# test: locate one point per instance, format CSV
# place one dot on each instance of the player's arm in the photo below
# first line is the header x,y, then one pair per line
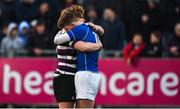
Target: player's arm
x,y
88,46
75,34
61,37
98,29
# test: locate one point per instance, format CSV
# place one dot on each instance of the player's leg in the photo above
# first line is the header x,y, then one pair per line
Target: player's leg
x,y
66,105
84,103
87,85
64,91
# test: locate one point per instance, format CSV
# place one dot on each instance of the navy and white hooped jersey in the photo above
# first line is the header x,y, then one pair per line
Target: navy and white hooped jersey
x,y
67,58
86,61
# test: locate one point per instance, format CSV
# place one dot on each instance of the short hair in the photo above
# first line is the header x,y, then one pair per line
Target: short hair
x,y
68,15
78,11
66,18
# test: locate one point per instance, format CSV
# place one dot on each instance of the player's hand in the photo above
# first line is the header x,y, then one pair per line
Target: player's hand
x,y
91,24
95,27
98,29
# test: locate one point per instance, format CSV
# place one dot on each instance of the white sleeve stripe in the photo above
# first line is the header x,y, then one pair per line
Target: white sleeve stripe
x,y
64,72
86,33
96,36
66,57
65,64
63,47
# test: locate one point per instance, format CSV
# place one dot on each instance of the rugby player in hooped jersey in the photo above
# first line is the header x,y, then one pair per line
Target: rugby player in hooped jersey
x,y
87,78
64,84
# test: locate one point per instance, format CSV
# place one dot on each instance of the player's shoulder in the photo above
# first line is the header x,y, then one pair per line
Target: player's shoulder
x,y
82,27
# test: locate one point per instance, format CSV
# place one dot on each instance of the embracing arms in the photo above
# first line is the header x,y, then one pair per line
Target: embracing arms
x,y
63,37
88,46
98,29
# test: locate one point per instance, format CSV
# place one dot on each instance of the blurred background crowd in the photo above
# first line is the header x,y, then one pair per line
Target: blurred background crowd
x,y
148,28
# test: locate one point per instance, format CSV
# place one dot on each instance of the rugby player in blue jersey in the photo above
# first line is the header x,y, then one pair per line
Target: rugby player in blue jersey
x,y
87,78
64,93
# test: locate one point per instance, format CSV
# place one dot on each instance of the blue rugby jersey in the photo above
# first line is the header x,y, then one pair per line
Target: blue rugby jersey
x,y
86,61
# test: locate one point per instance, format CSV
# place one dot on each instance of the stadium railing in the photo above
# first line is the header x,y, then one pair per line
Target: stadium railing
x,y
52,53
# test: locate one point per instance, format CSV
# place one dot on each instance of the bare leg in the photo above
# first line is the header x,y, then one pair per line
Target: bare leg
x,y
66,105
84,103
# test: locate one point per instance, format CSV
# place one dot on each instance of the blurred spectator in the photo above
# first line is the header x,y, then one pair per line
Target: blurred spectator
x,y
48,11
116,16
26,10
154,49
11,44
113,39
145,18
24,32
44,14
174,42
7,11
92,16
54,5
117,5
150,19
39,39
99,6
3,31
133,49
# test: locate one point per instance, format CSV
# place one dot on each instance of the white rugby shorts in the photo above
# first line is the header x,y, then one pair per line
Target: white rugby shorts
x,y
87,84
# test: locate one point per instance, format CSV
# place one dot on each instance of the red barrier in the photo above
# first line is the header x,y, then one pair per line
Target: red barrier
x,y
150,82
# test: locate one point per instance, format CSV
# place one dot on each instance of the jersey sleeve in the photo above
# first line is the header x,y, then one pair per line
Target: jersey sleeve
x,y
77,33
61,38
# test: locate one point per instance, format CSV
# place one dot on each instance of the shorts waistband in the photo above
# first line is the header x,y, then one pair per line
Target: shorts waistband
x,y
87,71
